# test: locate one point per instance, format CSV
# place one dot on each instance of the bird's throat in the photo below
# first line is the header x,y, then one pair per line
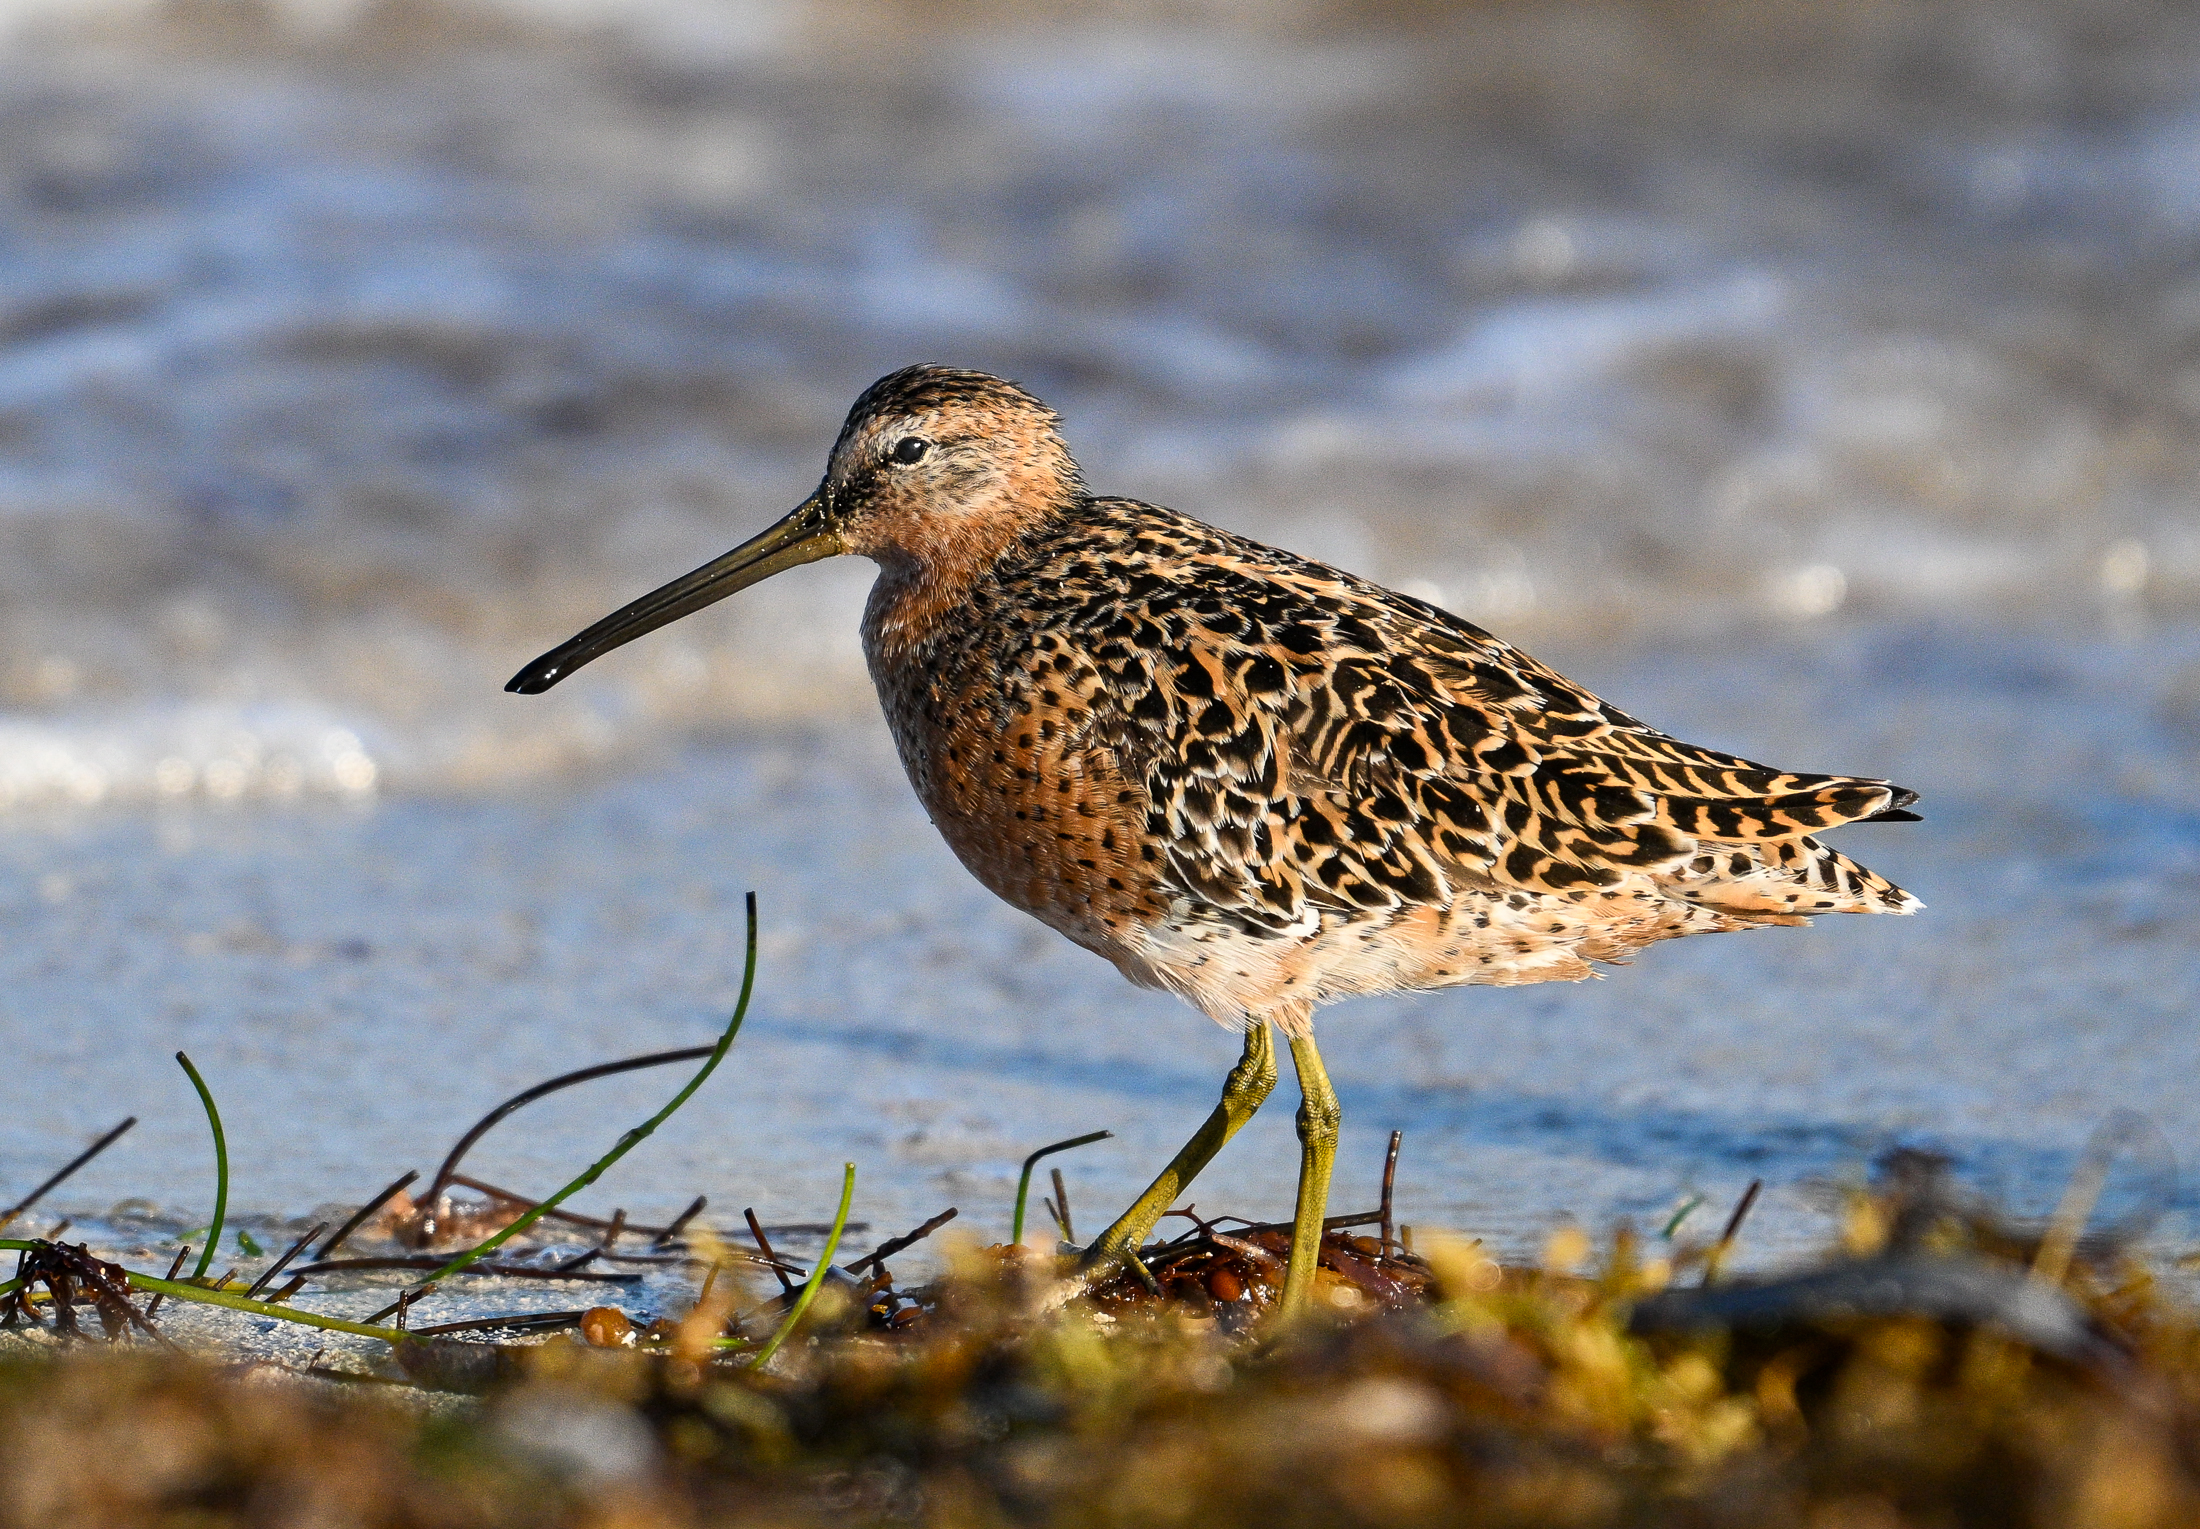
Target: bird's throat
x,y
925,590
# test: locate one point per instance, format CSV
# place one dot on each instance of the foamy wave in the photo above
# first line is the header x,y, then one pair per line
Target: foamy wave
x,y
202,751
1530,352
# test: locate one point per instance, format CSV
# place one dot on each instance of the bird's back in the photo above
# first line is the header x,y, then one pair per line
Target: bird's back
x,y
1259,781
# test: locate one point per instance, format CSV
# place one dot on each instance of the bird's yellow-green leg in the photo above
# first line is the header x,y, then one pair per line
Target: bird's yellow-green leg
x,y
1318,1118
1249,1083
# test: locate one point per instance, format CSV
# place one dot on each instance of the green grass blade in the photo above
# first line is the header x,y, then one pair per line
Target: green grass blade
x,y
631,1139
1688,1208
817,1272
1023,1185
182,1291
221,1165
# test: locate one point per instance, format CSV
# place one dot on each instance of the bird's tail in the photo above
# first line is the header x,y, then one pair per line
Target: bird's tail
x,y
1782,881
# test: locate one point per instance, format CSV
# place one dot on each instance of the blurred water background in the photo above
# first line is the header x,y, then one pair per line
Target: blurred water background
x,y
1819,381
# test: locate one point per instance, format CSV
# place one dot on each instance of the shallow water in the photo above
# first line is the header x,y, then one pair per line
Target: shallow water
x,y
1824,391
360,983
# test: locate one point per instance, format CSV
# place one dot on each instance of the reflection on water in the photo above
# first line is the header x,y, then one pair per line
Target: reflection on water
x,y
344,363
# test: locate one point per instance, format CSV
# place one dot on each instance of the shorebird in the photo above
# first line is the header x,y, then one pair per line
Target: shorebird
x,y
1251,779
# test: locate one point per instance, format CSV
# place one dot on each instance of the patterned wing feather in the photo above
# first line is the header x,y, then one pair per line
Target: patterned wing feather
x,y
1311,743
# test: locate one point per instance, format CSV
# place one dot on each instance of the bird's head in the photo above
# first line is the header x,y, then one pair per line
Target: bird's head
x,y
935,469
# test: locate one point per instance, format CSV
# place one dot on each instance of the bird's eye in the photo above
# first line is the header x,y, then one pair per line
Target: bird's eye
x,y
909,449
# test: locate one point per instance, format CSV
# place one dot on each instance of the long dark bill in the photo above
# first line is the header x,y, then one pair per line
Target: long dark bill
x,y
804,536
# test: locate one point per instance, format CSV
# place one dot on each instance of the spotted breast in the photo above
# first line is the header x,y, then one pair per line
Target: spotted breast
x,y
1250,778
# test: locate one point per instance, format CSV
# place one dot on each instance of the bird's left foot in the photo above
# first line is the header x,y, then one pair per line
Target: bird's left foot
x,y
1318,1119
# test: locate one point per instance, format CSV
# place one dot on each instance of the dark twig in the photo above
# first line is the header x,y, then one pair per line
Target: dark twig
x,y
1245,1249
8,1216
679,1224
812,1228
1023,1183
527,1322
401,1307
893,1245
1061,1207
1202,1240
764,1246
174,1269
1390,1180
1718,1252
1200,1227
660,1233
430,1261
1331,1224
445,1175
360,1217
515,1198
588,1256
283,1262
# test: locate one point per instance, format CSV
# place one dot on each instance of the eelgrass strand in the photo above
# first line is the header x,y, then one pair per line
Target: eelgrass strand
x,y
817,1271
186,1291
1023,1184
221,1167
631,1139
1688,1208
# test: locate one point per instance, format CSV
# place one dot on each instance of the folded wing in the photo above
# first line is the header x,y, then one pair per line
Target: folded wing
x,y
1309,743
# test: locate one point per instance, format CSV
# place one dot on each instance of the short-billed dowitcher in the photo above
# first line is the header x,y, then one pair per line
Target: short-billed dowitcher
x,y
1244,776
